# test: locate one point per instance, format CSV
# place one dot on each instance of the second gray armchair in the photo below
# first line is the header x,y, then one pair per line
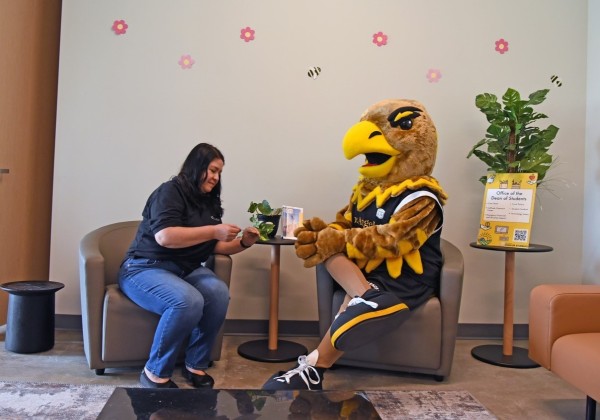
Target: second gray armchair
x,y
423,344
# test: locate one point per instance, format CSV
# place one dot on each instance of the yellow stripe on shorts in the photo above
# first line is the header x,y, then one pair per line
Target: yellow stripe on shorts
x,y
388,311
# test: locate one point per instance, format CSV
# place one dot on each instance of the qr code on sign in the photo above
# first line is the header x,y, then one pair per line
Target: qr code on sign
x,y
520,235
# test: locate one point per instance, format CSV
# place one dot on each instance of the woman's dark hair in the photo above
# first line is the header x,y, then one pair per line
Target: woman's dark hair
x,y
193,173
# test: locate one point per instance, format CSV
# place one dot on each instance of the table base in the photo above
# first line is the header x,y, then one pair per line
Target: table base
x,y
493,354
258,350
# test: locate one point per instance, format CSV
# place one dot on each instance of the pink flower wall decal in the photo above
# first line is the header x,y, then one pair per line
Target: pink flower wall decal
x,y
247,34
434,75
501,46
119,27
380,39
186,61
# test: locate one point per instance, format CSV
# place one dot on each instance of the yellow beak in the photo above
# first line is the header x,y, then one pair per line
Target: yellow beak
x,y
366,137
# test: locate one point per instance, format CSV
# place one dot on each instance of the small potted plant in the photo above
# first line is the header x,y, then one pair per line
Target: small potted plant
x,y
265,218
513,143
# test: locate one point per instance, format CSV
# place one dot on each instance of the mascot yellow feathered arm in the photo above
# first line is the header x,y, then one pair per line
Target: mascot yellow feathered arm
x,y
396,205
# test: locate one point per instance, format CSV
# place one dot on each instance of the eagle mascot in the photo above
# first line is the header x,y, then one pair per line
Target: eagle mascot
x,y
383,248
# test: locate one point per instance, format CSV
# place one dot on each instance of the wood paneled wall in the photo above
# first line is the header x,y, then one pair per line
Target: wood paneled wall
x,y
29,52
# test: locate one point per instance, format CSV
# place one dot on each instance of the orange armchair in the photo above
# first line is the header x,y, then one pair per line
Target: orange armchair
x,y
564,335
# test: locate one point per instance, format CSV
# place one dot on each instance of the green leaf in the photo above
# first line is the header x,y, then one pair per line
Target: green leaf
x,y
264,207
479,143
531,165
511,114
538,96
537,116
549,133
264,229
485,157
511,98
497,132
496,148
487,101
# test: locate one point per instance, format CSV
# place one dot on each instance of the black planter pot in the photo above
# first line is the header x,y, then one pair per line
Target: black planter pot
x,y
273,219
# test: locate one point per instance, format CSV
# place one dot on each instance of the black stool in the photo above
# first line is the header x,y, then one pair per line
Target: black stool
x,y
30,321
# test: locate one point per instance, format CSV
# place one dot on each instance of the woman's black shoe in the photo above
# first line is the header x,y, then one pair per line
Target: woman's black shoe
x,y
198,381
149,383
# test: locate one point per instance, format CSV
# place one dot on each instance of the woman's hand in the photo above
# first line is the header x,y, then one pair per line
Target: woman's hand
x,y
226,232
249,236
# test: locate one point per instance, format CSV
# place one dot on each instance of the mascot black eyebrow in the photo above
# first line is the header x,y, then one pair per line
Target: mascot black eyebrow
x,y
384,246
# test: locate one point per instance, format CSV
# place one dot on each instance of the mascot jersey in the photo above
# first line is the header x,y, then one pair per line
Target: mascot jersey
x,y
379,214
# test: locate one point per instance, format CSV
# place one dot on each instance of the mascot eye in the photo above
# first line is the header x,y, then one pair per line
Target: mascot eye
x,y
403,117
405,123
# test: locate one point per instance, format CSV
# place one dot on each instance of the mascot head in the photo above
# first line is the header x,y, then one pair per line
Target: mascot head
x,y
398,139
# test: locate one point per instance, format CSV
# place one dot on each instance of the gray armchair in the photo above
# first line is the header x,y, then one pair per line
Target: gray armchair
x,y
116,331
424,343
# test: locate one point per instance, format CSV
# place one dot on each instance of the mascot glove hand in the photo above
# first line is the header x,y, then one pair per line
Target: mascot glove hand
x,y
314,247
312,225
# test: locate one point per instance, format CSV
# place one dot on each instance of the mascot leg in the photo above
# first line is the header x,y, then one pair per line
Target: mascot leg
x,y
347,274
356,323
370,314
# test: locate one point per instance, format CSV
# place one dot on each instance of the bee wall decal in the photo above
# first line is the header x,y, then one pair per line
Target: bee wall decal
x,y
314,72
555,79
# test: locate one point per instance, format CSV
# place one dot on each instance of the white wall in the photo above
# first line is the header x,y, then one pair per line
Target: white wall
x,y
128,115
591,231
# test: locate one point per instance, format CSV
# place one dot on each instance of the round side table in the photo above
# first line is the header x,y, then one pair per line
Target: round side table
x,y
507,355
273,349
30,320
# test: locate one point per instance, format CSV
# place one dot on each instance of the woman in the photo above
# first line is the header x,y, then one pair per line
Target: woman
x,y
163,270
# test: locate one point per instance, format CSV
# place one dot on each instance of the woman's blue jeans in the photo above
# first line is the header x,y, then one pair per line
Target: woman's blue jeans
x,y
190,306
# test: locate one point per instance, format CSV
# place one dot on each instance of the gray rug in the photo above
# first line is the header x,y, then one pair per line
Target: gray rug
x,y
64,401
20,400
447,405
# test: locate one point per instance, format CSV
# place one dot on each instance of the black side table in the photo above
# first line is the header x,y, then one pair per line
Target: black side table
x,y
507,355
273,349
30,321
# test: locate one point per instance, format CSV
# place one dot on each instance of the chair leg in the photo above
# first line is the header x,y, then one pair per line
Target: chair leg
x,y
590,408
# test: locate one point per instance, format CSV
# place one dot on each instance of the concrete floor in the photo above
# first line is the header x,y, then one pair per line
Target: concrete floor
x,y
506,393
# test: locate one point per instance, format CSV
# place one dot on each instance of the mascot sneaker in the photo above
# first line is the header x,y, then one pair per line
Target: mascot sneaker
x,y
303,376
367,317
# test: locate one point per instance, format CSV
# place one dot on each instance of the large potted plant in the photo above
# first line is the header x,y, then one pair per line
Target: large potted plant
x,y
512,143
